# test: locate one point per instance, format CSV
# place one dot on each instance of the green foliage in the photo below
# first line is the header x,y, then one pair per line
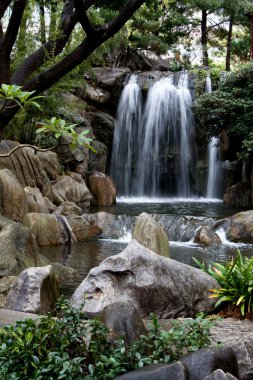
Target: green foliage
x,y
230,108
60,128
13,93
236,281
70,346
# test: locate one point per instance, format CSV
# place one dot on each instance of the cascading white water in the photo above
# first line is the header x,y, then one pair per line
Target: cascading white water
x,y
213,178
186,138
163,142
125,142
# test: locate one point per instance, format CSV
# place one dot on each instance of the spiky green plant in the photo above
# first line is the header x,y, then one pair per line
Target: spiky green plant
x,y
236,281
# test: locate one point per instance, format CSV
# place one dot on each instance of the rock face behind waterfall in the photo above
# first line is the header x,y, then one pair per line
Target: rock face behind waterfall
x,y
151,282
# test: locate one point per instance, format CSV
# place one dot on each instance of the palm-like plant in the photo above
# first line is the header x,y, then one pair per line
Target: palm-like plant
x,y
236,281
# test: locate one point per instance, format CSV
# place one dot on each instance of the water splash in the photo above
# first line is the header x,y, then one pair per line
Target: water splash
x,y
214,169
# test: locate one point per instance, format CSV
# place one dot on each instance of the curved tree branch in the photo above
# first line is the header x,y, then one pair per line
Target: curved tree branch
x,y
69,20
78,55
83,18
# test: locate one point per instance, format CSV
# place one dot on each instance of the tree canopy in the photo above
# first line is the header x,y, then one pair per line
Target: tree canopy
x,y
50,57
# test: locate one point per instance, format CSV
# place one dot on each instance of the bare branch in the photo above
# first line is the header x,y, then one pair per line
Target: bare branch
x,y
83,18
77,56
36,148
35,60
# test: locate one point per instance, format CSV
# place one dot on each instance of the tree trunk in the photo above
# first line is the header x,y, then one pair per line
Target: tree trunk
x,y
205,58
229,42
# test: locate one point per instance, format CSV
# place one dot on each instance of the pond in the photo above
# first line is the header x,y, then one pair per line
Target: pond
x,y
85,255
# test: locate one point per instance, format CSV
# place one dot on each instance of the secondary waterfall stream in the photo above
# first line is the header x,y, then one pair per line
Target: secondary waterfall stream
x,y
214,168
153,154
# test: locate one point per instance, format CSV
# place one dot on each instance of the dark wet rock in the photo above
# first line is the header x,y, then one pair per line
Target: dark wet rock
x,y
151,282
123,320
113,226
204,362
176,371
206,236
106,76
98,161
238,195
151,235
93,94
220,375
243,350
103,127
239,227
102,189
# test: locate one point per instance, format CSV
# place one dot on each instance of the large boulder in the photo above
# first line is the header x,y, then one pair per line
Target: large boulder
x,y
113,226
103,126
82,229
50,164
49,229
151,235
97,160
35,200
175,371
151,282
123,320
35,291
240,227
93,94
68,208
107,76
26,166
204,362
238,195
102,189
243,350
204,235
18,250
67,189
13,202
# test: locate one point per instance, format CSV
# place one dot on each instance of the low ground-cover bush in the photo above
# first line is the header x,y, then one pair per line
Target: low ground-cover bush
x,y
236,281
73,347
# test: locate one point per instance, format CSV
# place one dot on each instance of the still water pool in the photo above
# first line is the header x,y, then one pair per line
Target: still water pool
x,y
85,255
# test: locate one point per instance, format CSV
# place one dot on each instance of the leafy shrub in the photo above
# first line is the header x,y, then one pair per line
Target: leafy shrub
x,y
73,347
236,281
230,108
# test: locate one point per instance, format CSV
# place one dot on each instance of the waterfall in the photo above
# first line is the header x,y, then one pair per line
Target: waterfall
x,y
213,178
125,142
160,142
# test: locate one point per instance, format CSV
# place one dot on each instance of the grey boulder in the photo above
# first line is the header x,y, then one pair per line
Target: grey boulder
x,y
35,291
151,282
